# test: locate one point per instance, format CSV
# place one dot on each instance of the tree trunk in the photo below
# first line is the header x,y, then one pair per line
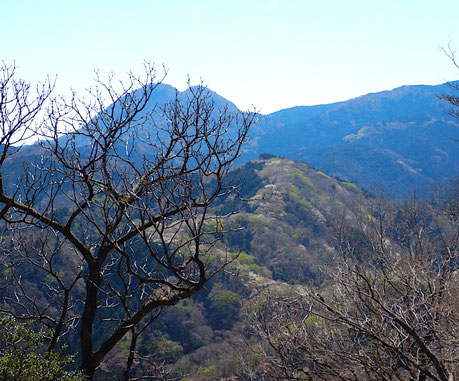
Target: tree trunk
x,y
88,362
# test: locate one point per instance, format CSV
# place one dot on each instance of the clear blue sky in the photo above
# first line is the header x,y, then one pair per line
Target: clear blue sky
x,y
272,54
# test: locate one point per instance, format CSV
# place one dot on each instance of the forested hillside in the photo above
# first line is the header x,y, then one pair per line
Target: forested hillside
x,y
295,222
298,228
288,242
284,234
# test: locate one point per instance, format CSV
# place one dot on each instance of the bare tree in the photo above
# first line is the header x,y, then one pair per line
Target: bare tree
x,y
448,97
112,215
390,311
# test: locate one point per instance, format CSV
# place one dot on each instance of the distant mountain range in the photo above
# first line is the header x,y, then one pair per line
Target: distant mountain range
x,y
402,139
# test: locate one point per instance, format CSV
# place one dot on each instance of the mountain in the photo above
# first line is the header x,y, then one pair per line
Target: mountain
x,y
164,93
161,95
149,117
402,139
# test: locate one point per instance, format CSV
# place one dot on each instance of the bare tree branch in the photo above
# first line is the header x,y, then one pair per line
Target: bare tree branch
x,y
114,212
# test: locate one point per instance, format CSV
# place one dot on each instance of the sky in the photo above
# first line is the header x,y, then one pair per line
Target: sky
x,y
264,53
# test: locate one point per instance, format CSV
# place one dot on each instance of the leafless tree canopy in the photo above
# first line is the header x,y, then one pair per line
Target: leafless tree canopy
x,y
111,216
452,99
390,311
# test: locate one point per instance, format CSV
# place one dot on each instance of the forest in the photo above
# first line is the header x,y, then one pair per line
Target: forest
x,y
136,245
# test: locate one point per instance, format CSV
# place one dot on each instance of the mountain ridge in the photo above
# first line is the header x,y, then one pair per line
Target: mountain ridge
x,y
401,138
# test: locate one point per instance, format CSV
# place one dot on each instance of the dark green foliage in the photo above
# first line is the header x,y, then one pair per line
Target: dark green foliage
x,y
224,308
248,183
22,355
266,156
164,350
183,324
